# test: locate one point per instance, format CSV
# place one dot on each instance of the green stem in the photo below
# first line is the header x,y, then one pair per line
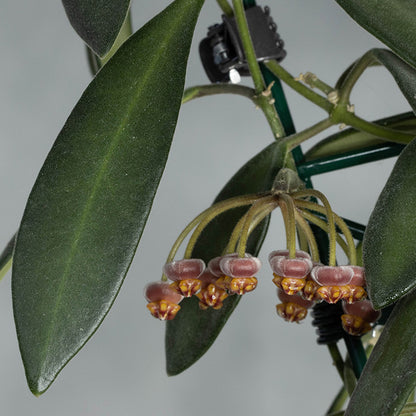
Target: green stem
x,y
255,209
205,90
358,123
337,358
264,97
338,401
213,212
309,235
313,81
296,139
262,100
302,89
235,235
225,7
248,47
324,226
330,218
353,75
290,223
352,254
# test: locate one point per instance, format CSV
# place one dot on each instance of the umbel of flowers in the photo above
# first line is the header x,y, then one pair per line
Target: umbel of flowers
x,y
301,278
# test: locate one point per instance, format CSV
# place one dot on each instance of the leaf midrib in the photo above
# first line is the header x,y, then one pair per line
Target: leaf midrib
x,y
74,247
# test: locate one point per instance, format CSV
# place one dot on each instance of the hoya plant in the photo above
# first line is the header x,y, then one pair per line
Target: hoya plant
x,y
91,200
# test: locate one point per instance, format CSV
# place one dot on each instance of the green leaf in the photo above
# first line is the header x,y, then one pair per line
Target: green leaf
x,y
89,205
350,139
389,242
404,74
391,21
97,22
389,376
193,331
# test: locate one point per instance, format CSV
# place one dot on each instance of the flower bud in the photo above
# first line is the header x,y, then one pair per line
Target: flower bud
x,y
359,317
293,308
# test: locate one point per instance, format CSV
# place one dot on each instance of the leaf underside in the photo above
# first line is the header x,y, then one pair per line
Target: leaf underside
x,y
193,331
90,202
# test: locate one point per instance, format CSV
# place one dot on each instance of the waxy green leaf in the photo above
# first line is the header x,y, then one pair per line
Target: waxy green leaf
x,y
391,21
389,376
193,331
390,239
90,202
97,22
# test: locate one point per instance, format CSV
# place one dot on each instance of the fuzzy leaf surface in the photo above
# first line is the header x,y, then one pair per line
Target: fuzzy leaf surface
x,y
390,238
193,331
97,22
391,21
91,200
389,377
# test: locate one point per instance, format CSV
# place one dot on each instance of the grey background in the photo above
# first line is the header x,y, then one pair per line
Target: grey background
x,y
259,364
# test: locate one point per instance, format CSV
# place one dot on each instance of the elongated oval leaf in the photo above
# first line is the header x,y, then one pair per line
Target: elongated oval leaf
x,y
403,73
97,22
90,202
391,21
389,376
193,331
389,244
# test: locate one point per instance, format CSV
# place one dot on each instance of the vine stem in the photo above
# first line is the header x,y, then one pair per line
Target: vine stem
x,y
337,358
262,100
392,135
296,139
250,54
264,96
225,7
300,88
352,77
338,401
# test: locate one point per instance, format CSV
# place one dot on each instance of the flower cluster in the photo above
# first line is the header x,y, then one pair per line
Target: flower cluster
x,y
224,276
300,276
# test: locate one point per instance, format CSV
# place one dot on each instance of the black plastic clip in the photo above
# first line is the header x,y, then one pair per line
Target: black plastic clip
x,y
222,53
